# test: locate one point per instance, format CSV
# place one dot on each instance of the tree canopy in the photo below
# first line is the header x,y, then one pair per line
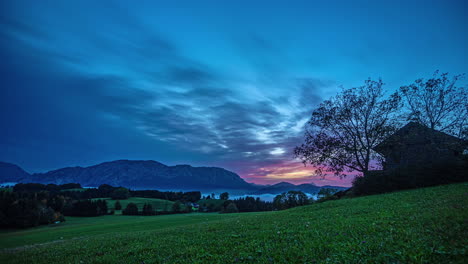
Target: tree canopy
x,y
343,130
438,103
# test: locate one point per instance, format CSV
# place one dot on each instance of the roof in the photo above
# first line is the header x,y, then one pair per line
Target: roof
x,y
417,134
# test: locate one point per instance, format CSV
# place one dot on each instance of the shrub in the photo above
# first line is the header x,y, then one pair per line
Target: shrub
x,y
177,206
224,196
117,205
120,194
148,209
231,208
131,209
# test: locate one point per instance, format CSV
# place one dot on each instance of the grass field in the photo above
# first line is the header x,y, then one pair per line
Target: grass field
x,y
419,226
158,204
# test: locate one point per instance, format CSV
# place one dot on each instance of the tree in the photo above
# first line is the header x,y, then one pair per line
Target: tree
x,y
231,208
438,103
120,194
148,209
326,192
224,196
117,205
131,209
343,130
177,206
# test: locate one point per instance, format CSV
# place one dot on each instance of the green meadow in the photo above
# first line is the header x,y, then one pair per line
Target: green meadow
x,y
427,225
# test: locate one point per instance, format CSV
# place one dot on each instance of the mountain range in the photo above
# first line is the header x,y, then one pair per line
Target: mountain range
x,y
286,186
148,174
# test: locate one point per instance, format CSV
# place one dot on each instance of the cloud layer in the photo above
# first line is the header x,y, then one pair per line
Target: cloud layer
x,y
87,82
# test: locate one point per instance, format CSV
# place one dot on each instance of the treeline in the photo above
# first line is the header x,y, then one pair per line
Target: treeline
x,y
76,191
86,208
23,209
37,187
171,196
248,204
177,208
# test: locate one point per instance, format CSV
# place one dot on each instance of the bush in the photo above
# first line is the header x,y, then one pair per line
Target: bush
x,y
86,208
148,209
231,208
177,206
131,209
120,194
224,196
117,205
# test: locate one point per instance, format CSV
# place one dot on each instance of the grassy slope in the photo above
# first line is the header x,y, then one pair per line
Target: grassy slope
x,y
420,226
158,204
80,227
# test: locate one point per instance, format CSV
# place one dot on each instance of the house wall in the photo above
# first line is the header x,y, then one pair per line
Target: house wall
x,y
414,155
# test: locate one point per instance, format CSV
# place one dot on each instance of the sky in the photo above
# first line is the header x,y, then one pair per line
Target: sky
x,y
205,83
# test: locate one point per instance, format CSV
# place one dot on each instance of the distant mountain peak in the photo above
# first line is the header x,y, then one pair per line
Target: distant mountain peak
x,y
139,174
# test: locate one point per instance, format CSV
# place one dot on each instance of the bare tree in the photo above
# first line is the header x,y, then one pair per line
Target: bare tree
x,y
438,103
342,131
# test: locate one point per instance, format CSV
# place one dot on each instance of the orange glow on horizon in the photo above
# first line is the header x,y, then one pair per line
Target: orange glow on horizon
x,y
294,172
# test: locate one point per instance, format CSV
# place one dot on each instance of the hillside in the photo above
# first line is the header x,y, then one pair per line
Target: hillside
x,y
286,186
418,226
137,174
11,173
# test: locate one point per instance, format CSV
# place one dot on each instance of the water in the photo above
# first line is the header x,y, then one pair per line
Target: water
x,y
264,197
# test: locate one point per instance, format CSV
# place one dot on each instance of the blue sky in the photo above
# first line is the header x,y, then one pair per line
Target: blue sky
x,y
206,83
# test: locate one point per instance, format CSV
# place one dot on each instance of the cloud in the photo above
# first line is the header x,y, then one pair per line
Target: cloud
x,y
137,85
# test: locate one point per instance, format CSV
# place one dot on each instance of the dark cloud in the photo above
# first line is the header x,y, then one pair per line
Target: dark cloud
x,y
134,94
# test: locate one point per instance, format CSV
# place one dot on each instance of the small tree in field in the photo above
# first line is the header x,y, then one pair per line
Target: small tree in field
x,y
131,209
224,196
117,205
343,130
148,209
438,103
231,208
177,206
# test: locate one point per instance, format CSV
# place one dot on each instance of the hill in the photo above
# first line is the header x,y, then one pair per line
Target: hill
x,y
416,226
286,186
136,174
12,173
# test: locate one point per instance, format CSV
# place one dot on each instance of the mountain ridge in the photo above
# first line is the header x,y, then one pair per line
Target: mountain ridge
x,y
147,174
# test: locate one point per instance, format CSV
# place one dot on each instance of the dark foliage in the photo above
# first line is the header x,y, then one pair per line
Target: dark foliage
x,y
171,196
177,206
86,208
131,209
23,209
231,208
224,196
37,187
148,209
250,204
411,177
290,199
343,130
439,103
117,205
120,194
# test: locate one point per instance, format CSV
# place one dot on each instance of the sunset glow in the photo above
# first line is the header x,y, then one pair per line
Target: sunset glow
x,y
294,172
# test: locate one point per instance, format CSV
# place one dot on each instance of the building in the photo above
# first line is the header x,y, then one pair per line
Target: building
x,y
415,144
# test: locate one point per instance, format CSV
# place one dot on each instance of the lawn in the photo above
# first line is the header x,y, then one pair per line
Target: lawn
x,y
86,227
158,204
418,226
